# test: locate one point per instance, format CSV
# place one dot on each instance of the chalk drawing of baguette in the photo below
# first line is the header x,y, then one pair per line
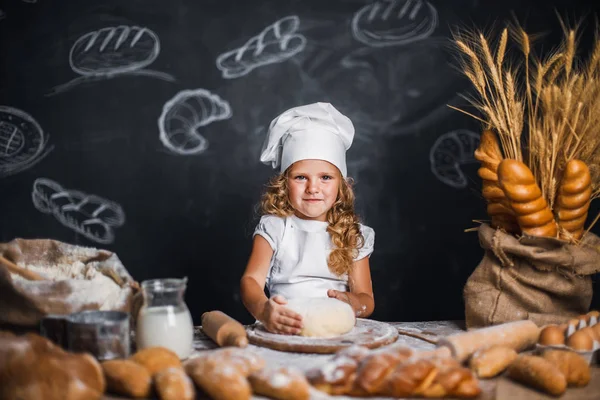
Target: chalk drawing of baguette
x,y
111,52
276,43
90,215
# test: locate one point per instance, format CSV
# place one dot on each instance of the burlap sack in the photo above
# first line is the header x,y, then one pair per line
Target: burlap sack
x,y
544,280
23,302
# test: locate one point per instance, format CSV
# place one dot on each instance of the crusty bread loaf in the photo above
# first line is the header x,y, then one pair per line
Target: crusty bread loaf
x,y
573,199
173,384
127,378
573,366
539,373
531,209
394,372
280,383
491,361
498,208
155,359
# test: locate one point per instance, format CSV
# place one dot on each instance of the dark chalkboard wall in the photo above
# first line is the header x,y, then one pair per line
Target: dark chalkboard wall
x,y
178,204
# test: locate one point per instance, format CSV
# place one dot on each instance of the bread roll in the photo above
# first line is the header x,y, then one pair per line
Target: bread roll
x,y
538,373
280,383
573,199
533,214
491,361
573,366
127,378
174,384
155,359
498,206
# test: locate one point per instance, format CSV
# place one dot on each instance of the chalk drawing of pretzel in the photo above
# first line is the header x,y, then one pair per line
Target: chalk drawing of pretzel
x,y
276,43
113,51
22,141
90,215
449,152
394,22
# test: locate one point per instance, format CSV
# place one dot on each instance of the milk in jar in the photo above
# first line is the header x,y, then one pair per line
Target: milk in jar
x,y
164,319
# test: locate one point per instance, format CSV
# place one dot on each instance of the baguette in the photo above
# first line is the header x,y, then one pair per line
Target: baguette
x,y
538,373
531,209
573,366
498,207
491,361
573,199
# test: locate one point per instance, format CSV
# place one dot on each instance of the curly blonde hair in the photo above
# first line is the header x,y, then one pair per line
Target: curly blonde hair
x,y
343,222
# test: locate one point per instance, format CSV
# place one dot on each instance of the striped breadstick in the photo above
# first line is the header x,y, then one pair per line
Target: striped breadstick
x,y
498,207
533,214
573,200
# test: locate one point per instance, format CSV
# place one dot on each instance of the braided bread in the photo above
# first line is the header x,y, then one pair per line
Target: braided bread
x,y
498,207
395,371
533,214
573,200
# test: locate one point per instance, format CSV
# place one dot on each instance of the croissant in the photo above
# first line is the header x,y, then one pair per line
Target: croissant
x,y
498,207
531,209
573,200
396,371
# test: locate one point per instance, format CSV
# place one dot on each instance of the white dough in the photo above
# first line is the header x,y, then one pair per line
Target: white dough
x,y
323,316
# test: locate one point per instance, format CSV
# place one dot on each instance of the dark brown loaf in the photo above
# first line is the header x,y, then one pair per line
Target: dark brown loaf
x,y
498,208
573,199
533,214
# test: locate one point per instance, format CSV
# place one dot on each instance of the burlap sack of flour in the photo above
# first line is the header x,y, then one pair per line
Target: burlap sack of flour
x,y
78,278
544,280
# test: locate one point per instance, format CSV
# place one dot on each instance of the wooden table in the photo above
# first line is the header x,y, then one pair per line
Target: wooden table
x,y
497,388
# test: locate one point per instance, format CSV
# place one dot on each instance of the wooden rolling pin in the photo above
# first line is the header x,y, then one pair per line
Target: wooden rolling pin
x,y
224,330
518,335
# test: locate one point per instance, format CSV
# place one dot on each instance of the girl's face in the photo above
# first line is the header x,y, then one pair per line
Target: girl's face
x,y
313,188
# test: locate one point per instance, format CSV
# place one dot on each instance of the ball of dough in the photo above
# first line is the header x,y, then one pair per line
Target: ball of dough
x,y
323,317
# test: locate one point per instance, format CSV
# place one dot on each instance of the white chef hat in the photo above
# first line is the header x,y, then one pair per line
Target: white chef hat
x,y
315,131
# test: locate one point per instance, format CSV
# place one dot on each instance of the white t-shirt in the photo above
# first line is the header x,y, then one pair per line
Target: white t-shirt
x,y
300,250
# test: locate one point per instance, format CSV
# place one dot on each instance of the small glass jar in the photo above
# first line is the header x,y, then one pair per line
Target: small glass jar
x,y
164,319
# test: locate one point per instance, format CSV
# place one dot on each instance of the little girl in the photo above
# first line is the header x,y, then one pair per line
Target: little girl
x,y
309,242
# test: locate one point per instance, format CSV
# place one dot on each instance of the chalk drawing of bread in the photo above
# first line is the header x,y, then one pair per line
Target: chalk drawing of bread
x,y
90,215
276,43
451,151
394,22
22,141
114,50
184,114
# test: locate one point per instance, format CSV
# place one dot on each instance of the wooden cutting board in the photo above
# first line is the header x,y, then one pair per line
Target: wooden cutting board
x,y
366,332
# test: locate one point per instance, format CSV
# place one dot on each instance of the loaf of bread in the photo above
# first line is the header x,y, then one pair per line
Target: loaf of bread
x,y
155,359
491,361
223,373
573,366
531,209
394,372
173,384
127,378
539,373
573,199
498,207
32,367
280,383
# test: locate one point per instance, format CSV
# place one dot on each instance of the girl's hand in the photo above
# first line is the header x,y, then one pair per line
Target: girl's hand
x,y
349,298
278,319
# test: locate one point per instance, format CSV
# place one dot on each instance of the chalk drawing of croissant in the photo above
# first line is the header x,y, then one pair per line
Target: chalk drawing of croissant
x,y
184,114
276,43
113,51
22,141
90,215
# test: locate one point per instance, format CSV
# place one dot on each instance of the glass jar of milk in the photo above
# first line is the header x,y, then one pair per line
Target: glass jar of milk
x,y
164,319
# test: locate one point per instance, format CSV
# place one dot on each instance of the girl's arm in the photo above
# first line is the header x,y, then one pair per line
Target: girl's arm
x,y
360,295
271,312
